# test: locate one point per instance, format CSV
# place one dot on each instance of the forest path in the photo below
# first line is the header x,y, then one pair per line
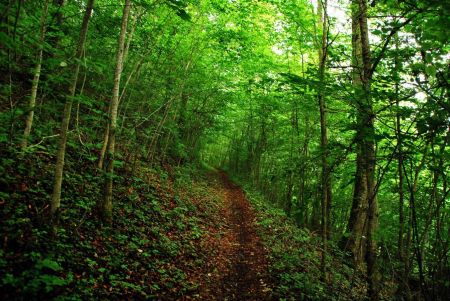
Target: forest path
x,y
240,259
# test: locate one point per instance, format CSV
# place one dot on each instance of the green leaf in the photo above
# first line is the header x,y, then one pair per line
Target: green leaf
x,y
51,281
431,70
49,264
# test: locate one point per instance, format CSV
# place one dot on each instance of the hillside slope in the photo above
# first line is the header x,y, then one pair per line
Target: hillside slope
x,y
182,233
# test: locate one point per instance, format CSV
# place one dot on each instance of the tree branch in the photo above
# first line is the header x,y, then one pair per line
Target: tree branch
x,y
394,30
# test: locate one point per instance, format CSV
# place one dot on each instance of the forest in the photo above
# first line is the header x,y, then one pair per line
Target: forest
x,y
225,150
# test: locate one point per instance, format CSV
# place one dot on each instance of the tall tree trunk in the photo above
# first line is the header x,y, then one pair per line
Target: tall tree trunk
x,y
56,195
104,146
57,16
369,152
356,227
413,183
326,179
398,133
12,56
36,76
134,18
304,173
152,148
364,215
290,173
407,258
135,70
105,205
402,250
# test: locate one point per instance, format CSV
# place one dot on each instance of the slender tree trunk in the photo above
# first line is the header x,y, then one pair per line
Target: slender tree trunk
x,y
134,18
158,131
407,260
440,248
304,173
290,184
402,250
105,205
104,145
56,195
369,152
290,174
36,76
106,133
412,187
326,178
58,17
12,57
416,241
399,159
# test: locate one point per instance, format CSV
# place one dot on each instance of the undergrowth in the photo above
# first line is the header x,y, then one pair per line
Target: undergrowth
x,y
295,254
152,250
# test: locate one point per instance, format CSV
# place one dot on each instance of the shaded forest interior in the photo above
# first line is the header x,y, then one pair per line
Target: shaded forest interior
x,y
332,115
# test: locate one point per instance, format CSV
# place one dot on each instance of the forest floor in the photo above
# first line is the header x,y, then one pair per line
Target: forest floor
x,y
240,259
185,233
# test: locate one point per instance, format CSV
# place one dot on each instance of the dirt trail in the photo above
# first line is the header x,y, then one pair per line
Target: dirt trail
x,y
240,262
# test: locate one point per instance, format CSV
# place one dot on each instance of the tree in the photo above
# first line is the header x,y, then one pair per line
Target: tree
x,y
36,76
58,176
364,214
105,205
326,177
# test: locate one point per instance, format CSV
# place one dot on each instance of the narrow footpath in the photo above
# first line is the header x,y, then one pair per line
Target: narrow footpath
x,y
239,266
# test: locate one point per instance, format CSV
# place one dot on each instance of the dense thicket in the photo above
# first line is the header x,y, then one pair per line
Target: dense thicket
x,y
336,111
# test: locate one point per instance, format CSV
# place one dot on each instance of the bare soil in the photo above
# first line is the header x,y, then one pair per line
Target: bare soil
x,y
238,267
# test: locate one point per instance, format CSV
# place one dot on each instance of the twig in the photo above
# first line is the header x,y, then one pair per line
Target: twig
x,y
43,139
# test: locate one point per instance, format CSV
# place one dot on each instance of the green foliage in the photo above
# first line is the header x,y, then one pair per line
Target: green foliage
x,y
153,230
294,255
39,279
